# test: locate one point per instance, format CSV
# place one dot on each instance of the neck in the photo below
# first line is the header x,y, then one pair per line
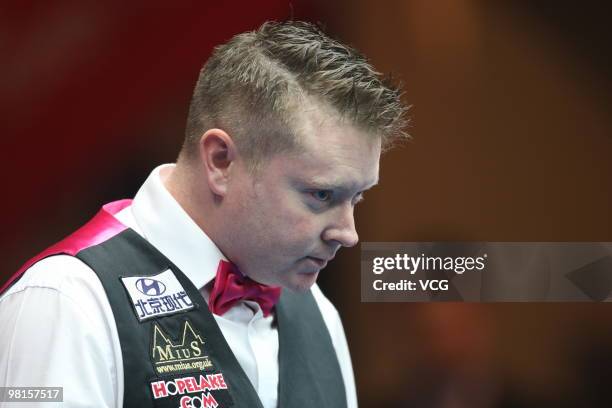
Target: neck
x,y
188,190
187,184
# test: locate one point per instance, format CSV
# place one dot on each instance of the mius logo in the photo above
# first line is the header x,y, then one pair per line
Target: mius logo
x,y
184,354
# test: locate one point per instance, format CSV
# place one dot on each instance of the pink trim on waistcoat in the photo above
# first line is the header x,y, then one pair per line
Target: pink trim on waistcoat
x,y
100,228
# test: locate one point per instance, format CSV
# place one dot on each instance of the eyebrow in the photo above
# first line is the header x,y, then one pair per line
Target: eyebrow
x,y
336,185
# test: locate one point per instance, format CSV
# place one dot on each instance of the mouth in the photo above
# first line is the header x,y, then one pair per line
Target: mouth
x,y
318,262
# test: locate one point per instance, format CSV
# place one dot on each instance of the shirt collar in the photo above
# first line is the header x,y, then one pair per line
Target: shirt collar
x,y
165,224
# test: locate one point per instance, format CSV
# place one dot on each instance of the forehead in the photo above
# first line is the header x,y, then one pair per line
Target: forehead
x,y
333,153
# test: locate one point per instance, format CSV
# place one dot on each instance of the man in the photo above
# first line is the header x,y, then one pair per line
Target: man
x,y
201,291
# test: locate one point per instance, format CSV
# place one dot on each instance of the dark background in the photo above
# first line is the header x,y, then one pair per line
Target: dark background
x,y
512,137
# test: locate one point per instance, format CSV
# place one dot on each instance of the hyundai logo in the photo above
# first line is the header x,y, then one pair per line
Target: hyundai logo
x,y
150,287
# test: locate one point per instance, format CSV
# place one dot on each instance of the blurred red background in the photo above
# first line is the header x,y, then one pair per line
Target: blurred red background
x,y
512,137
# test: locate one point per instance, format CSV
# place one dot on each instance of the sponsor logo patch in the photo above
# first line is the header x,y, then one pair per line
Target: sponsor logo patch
x,y
199,385
150,287
183,355
157,295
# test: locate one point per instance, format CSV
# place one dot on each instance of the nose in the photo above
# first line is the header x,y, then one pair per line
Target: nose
x,y
341,228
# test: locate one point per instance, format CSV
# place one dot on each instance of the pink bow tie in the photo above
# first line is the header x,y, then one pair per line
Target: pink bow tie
x,y
230,287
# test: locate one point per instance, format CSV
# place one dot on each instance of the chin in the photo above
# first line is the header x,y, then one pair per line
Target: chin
x,y
302,282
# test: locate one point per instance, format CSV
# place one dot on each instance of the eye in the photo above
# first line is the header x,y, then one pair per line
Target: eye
x,y
358,198
322,195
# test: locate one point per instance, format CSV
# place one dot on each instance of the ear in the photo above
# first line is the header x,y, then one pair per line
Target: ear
x,y
217,152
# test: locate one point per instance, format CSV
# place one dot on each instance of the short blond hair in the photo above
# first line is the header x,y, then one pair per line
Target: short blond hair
x,y
252,85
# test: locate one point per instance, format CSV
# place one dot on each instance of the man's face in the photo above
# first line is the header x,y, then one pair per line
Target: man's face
x,y
290,220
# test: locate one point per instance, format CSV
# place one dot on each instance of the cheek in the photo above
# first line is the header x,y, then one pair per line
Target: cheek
x,y
284,221
300,230
294,227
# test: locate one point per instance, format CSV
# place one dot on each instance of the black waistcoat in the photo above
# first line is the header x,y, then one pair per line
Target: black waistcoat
x,y
182,357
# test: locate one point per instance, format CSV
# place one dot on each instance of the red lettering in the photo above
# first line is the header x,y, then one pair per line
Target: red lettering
x,y
159,389
214,383
222,384
186,402
191,384
208,401
204,384
180,384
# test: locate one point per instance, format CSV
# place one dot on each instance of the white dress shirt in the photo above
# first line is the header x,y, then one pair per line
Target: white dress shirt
x,y
57,327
